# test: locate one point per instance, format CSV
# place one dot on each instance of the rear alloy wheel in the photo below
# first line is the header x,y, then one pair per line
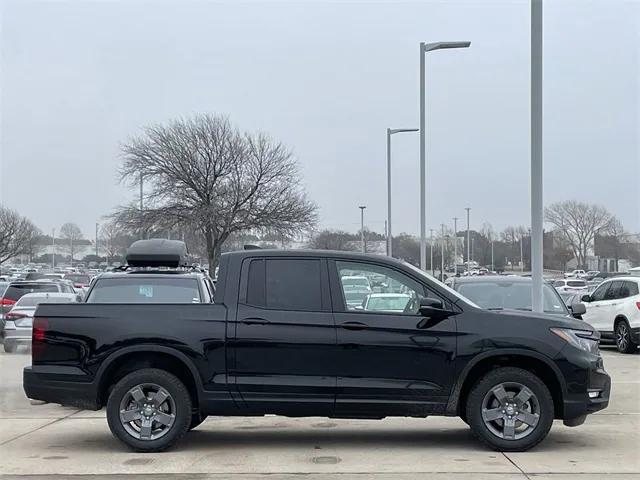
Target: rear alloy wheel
x,y
624,343
510,409
149,410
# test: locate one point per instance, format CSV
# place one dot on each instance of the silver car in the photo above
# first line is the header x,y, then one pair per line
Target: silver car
x,y
19,320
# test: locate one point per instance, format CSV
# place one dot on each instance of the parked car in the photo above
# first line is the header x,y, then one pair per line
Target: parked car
x,y
15,290
591,274
575,274
509,293
79,280
281,339
356,289
386,302
571,285
19,320
614,310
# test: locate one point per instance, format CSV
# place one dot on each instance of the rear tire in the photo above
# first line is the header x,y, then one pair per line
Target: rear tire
x,y
510,409
10,347
624,343
149,410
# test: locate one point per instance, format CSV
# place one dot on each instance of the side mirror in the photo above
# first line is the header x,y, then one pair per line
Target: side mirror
x,y
577,310
585,298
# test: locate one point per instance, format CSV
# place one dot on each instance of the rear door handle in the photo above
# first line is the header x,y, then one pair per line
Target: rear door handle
x,y
354,325
255,321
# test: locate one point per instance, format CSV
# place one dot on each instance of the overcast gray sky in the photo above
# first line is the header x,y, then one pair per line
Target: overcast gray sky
x,y
327,78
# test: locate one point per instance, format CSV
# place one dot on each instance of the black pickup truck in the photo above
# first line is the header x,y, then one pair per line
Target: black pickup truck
x,y
281,338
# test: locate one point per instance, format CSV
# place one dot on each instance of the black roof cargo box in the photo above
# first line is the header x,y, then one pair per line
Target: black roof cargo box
x,y
157,252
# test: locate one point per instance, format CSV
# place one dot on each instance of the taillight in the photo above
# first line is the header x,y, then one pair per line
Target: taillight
x,y
6,302
38,337
40,327
638,305
14,316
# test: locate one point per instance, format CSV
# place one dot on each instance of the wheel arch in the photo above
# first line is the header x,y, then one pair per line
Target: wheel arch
x,y
539,364
132,358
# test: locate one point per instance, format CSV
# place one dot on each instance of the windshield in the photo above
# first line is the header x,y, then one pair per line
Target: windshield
x,y
132,289
576,283
14,292
447,288
511,295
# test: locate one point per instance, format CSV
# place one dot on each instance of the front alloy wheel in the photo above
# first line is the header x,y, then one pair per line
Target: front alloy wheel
x,y
510,409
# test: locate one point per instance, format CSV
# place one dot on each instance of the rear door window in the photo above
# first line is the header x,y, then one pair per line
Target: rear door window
x,y
614,291
132,289
285,284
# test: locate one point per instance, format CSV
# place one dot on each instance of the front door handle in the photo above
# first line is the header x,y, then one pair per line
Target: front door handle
x,y
255,321
354,325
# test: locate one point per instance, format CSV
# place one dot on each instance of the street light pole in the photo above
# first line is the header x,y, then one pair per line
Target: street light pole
x,y
141,206
425,48
362,207
391,131
431,259
492,255
536,157
53,244
455,246
442,255
468,209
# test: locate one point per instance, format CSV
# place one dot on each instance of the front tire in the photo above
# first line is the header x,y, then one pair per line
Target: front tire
x,y
149,410
510,409
624,342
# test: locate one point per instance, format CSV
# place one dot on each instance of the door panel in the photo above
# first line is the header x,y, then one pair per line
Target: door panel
x,y
597,310
284,343
388,365
392,366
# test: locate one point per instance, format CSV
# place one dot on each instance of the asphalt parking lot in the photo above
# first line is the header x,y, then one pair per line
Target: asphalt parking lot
x,y
56,442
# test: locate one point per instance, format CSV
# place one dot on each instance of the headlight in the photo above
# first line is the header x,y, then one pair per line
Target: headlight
x,y
581,339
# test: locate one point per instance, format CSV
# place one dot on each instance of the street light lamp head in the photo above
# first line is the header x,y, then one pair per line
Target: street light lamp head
x,y
402,130
428,47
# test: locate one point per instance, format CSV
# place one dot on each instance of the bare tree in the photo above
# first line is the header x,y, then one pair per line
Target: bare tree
x,y
202,173
579,223
71,233
333,240
114,240
17,234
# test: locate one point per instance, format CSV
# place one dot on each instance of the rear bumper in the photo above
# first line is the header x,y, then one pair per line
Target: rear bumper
x,y
60,387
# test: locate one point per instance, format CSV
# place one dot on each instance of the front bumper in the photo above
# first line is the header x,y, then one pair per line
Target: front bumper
x,y
57,385
635,335
588,386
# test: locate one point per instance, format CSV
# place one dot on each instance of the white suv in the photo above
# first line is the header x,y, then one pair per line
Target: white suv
x,y
614,310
